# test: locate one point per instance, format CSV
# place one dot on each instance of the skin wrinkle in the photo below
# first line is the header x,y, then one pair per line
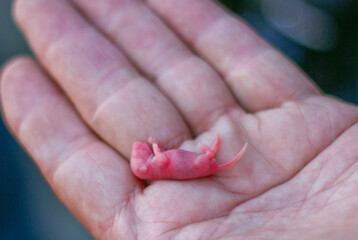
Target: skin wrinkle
x,y
207,31
113,40
52,175
227,107
233,193
244,64
174,231
17,12
229,65
260,211
332,194
236,77
195,222
302,205
336,185
212,118
105,226
323,148
308,132
118,70
174,67
102,105
151,71
271,163
273,216
308,194
318,154
6,74
160,72
119,18
72,141
182,226
136,218
77,138
205,235
333,202
49,51
63,43
177,140
295,176
330,123
214,231
332,142
128,206
111,74
57,171
318,176
22,125
35,108
348,168
209,23
236,194
330,117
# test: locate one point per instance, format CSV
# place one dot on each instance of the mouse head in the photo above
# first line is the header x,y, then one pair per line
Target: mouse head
x,y
141,156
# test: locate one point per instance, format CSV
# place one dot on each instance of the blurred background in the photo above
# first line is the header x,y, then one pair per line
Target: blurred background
x,y
319,35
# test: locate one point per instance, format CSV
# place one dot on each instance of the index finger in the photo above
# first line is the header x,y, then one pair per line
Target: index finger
x,y
259,76
89,177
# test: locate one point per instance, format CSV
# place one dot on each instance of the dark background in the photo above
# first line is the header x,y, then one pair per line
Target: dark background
x,y
319,35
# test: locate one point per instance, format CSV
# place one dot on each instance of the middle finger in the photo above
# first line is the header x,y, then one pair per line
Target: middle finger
x,y
106,89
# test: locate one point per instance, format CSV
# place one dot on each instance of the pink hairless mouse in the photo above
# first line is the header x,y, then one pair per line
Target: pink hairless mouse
x,y
156,164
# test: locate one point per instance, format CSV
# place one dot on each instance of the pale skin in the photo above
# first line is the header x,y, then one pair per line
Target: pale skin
x,y
113,73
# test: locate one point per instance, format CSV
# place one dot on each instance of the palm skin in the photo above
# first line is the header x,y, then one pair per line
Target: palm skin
x,y
315,202
297,177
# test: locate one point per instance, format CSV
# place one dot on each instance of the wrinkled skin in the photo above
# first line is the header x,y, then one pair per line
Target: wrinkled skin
x,y
79,116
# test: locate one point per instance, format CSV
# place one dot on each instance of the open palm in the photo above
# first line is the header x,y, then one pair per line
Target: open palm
x,y
118,71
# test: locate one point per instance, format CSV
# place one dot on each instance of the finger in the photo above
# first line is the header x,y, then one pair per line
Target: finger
x,y
258,75
200,94
109,93
94,182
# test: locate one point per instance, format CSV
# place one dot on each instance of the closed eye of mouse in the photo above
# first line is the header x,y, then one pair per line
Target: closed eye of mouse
x,y
156,164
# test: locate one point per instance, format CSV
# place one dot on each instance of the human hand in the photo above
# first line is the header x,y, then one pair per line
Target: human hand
x,y
115,73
